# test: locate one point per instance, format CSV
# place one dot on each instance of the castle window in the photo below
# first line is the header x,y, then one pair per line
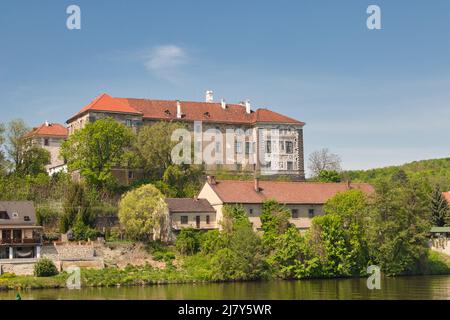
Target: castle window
x,y
184,219
311,213
46,142
290,165
238,147
268,146
128,122
289,147
294,213
247,147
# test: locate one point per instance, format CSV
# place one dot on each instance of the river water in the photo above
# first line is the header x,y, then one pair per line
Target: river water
x,y
421,287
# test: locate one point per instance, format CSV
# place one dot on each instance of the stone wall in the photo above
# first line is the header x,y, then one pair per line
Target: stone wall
x,y
68,252
19,268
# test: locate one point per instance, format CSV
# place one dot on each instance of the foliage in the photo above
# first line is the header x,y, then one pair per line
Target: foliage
x,y
143,212
77,208
81,231
16,143
154,147
45,267
233,215
34,160
329,176
46,216
274,221
96,148
399,226
182,181
439,207
436,171
188,241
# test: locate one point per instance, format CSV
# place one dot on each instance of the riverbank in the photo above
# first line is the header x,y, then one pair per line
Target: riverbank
x,y
193,270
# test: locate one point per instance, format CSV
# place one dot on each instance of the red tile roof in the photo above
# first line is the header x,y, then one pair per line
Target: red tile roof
x,y
192,111
49,129
446,196
233,191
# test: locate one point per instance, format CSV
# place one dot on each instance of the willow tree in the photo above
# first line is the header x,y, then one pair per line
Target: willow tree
x,y
143,214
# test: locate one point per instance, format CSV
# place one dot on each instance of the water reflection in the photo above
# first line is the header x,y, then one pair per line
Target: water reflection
x,y
426,287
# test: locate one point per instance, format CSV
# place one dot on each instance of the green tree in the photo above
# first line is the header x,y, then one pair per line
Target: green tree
x,y
182,181
188,241
16,143
77,208
154,147
439,208
34,160
329,176
274,221
233,216
143,213
3,162
399,226
96,148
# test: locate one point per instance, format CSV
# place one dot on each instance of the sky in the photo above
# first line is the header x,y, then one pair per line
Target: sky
x,y
374,97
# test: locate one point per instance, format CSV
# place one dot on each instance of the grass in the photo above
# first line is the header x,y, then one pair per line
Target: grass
x,y
438,263
12,282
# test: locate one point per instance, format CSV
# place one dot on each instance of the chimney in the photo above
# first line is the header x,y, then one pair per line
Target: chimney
x,y
223,104
211,180
47,124
178,109
257,185
209,96
247,106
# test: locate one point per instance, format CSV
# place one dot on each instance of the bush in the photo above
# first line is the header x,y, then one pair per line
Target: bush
x,y
45,268
188,241
51,236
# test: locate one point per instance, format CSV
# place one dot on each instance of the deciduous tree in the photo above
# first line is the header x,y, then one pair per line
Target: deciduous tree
x,y
323,159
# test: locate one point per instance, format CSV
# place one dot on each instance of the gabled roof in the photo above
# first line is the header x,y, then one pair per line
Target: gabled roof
x,y
48,129
233,191
17,211
446,196
189,205
191,111
105,102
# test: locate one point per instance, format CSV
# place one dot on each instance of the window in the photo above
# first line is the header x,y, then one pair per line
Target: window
x,y
290,165
218,144
247,147
250,211
130,175
184,219
207,219
269,164
311,213
268,146
289,147
4,215
26,218
198,128
281,145
46,142
238,147
294,213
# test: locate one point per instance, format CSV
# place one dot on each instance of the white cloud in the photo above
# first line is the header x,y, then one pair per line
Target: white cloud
x,y
165,60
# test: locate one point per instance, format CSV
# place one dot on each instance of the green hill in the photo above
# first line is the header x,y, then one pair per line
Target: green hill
x,y
435,170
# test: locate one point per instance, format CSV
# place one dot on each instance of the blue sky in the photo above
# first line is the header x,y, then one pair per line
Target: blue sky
x,y
375,97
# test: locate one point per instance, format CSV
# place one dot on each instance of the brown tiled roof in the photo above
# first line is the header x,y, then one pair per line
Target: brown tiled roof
x,y
22,209
192,111
446,196
51,130
233,191
189,205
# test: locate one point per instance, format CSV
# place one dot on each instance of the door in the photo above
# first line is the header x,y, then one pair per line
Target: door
x,y
197,221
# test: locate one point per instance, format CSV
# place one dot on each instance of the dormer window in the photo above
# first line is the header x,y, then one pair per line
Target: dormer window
x,y
167,112
26,218
206,114
15,215
4,215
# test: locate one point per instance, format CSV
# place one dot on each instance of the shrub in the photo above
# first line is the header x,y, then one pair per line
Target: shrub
x,y
188,241
51,236
45,268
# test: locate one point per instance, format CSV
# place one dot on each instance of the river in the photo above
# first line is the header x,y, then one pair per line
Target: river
x,y
421,287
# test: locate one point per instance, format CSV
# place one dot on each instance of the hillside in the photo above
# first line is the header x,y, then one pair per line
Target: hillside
x,y
435,170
